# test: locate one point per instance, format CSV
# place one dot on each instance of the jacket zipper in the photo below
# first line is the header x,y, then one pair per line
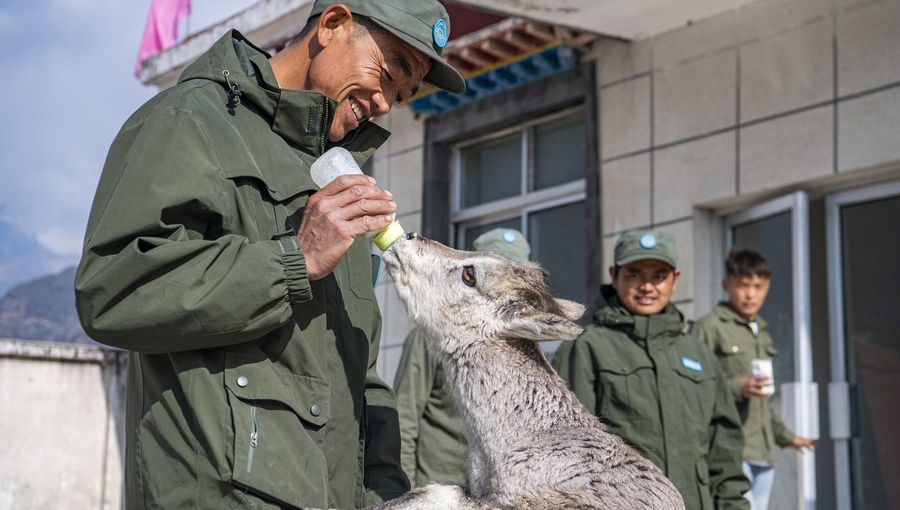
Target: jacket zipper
x,y
254,437
326,121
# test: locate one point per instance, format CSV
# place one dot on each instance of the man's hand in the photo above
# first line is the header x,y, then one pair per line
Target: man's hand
x,y
348,206
801,443
755,387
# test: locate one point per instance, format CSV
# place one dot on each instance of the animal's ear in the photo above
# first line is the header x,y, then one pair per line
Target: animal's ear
x,y
570,309
541,326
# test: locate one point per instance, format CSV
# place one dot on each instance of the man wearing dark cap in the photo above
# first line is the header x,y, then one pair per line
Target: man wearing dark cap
x,y
242,291
654,385
434,447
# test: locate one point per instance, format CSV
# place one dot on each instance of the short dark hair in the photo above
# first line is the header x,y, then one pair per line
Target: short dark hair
x,y
746,263
310,25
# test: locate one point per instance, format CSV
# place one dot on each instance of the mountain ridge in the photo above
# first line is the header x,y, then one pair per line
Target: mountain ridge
x,y
23,258
43,310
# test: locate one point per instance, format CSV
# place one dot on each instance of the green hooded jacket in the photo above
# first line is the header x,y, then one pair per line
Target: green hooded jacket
x,y
733,342
663,392
249,386
433,445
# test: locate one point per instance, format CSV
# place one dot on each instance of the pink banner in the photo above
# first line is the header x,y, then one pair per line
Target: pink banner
x,y
161,30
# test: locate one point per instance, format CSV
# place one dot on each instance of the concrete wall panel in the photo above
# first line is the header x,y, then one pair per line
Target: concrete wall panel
x,y
696,98
787,150
625,114
693,173
788,71
868,47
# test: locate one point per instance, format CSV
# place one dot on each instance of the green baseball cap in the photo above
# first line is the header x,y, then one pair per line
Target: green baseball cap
x,y
645,244
506,242
423,24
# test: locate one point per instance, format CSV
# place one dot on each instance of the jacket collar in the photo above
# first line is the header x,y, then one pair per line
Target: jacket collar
x,y
669,323
301,117
725,313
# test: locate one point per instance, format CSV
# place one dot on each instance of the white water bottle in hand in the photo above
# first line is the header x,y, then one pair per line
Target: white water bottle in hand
x,y
338,161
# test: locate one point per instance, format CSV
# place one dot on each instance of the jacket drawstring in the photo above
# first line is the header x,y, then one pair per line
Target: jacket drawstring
x,y
234,93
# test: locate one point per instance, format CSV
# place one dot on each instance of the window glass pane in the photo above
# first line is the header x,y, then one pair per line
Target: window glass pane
x,y
772,238
492,171
559,243
559,150
870,251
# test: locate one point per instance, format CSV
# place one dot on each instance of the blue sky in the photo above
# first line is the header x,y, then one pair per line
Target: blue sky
x,y
68,85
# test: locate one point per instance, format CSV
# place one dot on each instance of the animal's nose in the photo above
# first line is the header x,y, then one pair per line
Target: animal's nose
x,y
412,235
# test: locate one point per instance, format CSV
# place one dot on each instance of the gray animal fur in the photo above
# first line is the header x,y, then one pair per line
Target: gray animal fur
x,y
532,444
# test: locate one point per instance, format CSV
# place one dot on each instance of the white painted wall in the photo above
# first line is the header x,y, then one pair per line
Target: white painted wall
x,y
62,424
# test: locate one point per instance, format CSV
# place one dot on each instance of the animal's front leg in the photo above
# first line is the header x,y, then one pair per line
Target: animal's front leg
x,y
434,496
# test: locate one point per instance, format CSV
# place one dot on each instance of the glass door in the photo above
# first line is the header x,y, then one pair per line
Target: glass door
x,y
863,254
778,229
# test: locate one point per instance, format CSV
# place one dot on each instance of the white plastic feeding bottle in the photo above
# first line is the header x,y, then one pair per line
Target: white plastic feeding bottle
x,y
338,161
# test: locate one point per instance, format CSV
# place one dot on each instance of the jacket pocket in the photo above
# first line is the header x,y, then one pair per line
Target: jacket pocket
x,y
704,493
276,451
626,387
734,358
697,386
359,270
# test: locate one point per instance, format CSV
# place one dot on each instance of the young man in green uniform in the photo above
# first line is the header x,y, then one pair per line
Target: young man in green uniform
x,y
244,292
652,384
739,338
433,445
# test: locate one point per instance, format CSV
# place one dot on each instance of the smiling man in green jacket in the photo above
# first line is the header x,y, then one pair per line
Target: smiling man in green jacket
x,y
655,386
244,292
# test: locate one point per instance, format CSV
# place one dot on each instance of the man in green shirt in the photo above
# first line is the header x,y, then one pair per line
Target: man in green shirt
x,y
739,338
654,385
433,444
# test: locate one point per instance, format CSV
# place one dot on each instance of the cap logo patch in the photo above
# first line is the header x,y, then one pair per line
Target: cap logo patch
x,y
509,236
439,32
648,241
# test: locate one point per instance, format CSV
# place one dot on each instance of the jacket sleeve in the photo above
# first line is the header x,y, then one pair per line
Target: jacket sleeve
x,y
159,271
726,475
413,382
577,369
711,337
384,478
783,435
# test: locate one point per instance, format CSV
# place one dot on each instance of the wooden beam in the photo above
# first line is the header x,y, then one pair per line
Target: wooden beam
x,y
540,31
476,57
498,49
521,42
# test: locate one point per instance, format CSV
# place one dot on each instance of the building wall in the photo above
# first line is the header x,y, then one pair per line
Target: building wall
x,y
773,97
776,96
63,407
398,166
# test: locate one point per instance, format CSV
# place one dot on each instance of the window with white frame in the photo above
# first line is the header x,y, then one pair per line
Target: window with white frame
x,y
530,177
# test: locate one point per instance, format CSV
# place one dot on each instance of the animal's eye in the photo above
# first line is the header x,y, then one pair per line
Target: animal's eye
x,y
468,275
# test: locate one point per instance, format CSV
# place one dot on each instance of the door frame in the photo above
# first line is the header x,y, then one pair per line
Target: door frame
x,y
839,387
800,397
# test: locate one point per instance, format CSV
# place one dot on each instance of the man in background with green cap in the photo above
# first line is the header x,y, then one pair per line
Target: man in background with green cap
x,y
652,384
433,442
242,291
